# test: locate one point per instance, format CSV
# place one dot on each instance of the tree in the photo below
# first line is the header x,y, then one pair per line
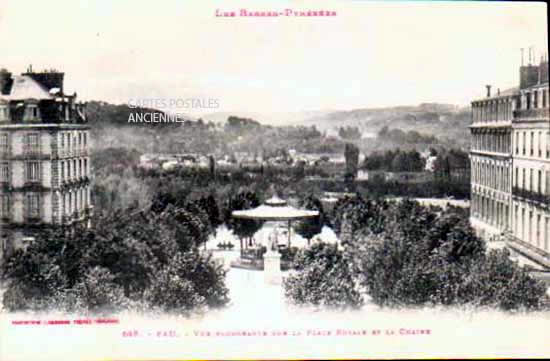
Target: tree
x,y
129,258
351,154
358,214
400,162
427,256
243,228
324,279
310,227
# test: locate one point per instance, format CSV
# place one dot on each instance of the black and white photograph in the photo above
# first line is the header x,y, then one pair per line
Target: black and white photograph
x,y
289,179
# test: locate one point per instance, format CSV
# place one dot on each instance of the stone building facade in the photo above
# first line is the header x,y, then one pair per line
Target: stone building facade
x,y
510,159
531,175
491,162
44,159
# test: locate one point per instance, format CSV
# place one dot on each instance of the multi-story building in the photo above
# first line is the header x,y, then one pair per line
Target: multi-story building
x,y
510,159
531,175
44,161
491,162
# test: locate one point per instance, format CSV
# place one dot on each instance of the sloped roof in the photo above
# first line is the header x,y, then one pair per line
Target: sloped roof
x,y
510,91
25,87
269,213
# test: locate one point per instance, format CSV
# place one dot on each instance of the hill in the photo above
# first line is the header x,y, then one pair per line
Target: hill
x,y
444,121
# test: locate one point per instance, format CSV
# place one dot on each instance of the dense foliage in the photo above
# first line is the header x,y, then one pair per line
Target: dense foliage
x,y
130,259
244,229
430,256
395,161
350,133
310,227
411,136
323,278
405,254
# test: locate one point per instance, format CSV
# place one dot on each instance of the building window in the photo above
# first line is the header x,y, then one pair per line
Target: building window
x,y
4,143
524,141
62,171
32,206
544,98
85,167
4,206
532,145
547,235
539,182
539,143
4,172
32,143
32,171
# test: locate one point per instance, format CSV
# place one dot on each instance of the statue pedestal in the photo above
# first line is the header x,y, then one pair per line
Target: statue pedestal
x,y
272,268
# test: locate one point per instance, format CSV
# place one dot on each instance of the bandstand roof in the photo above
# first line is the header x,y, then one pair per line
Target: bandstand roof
x,y
274,209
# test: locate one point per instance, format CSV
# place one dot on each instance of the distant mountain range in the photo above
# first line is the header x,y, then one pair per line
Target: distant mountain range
x,y
421,118
276,119
442,120
447,122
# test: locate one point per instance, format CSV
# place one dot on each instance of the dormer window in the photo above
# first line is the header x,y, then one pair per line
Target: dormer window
x,y
31,112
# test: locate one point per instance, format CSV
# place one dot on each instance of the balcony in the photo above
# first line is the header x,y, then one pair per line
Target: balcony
x,y
534,114
31,150
32,154
536,197
33,219
76,216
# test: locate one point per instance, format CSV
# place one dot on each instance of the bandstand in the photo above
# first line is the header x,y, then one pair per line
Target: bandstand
x,y
274,210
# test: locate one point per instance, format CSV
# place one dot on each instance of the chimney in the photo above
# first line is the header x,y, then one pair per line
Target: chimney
x,y
528,76
543,71
488,91
5,81
522,56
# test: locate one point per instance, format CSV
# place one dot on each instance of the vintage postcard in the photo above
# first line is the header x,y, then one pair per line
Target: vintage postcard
x,y
252,179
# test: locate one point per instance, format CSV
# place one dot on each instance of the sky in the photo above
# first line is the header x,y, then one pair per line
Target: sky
x,y
372,54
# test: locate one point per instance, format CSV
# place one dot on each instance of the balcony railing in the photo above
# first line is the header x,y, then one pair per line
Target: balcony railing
x,y
533,196
73,152
32,150
538,113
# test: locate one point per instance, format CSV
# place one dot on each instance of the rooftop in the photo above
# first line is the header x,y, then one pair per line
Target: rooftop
x,y
25,87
